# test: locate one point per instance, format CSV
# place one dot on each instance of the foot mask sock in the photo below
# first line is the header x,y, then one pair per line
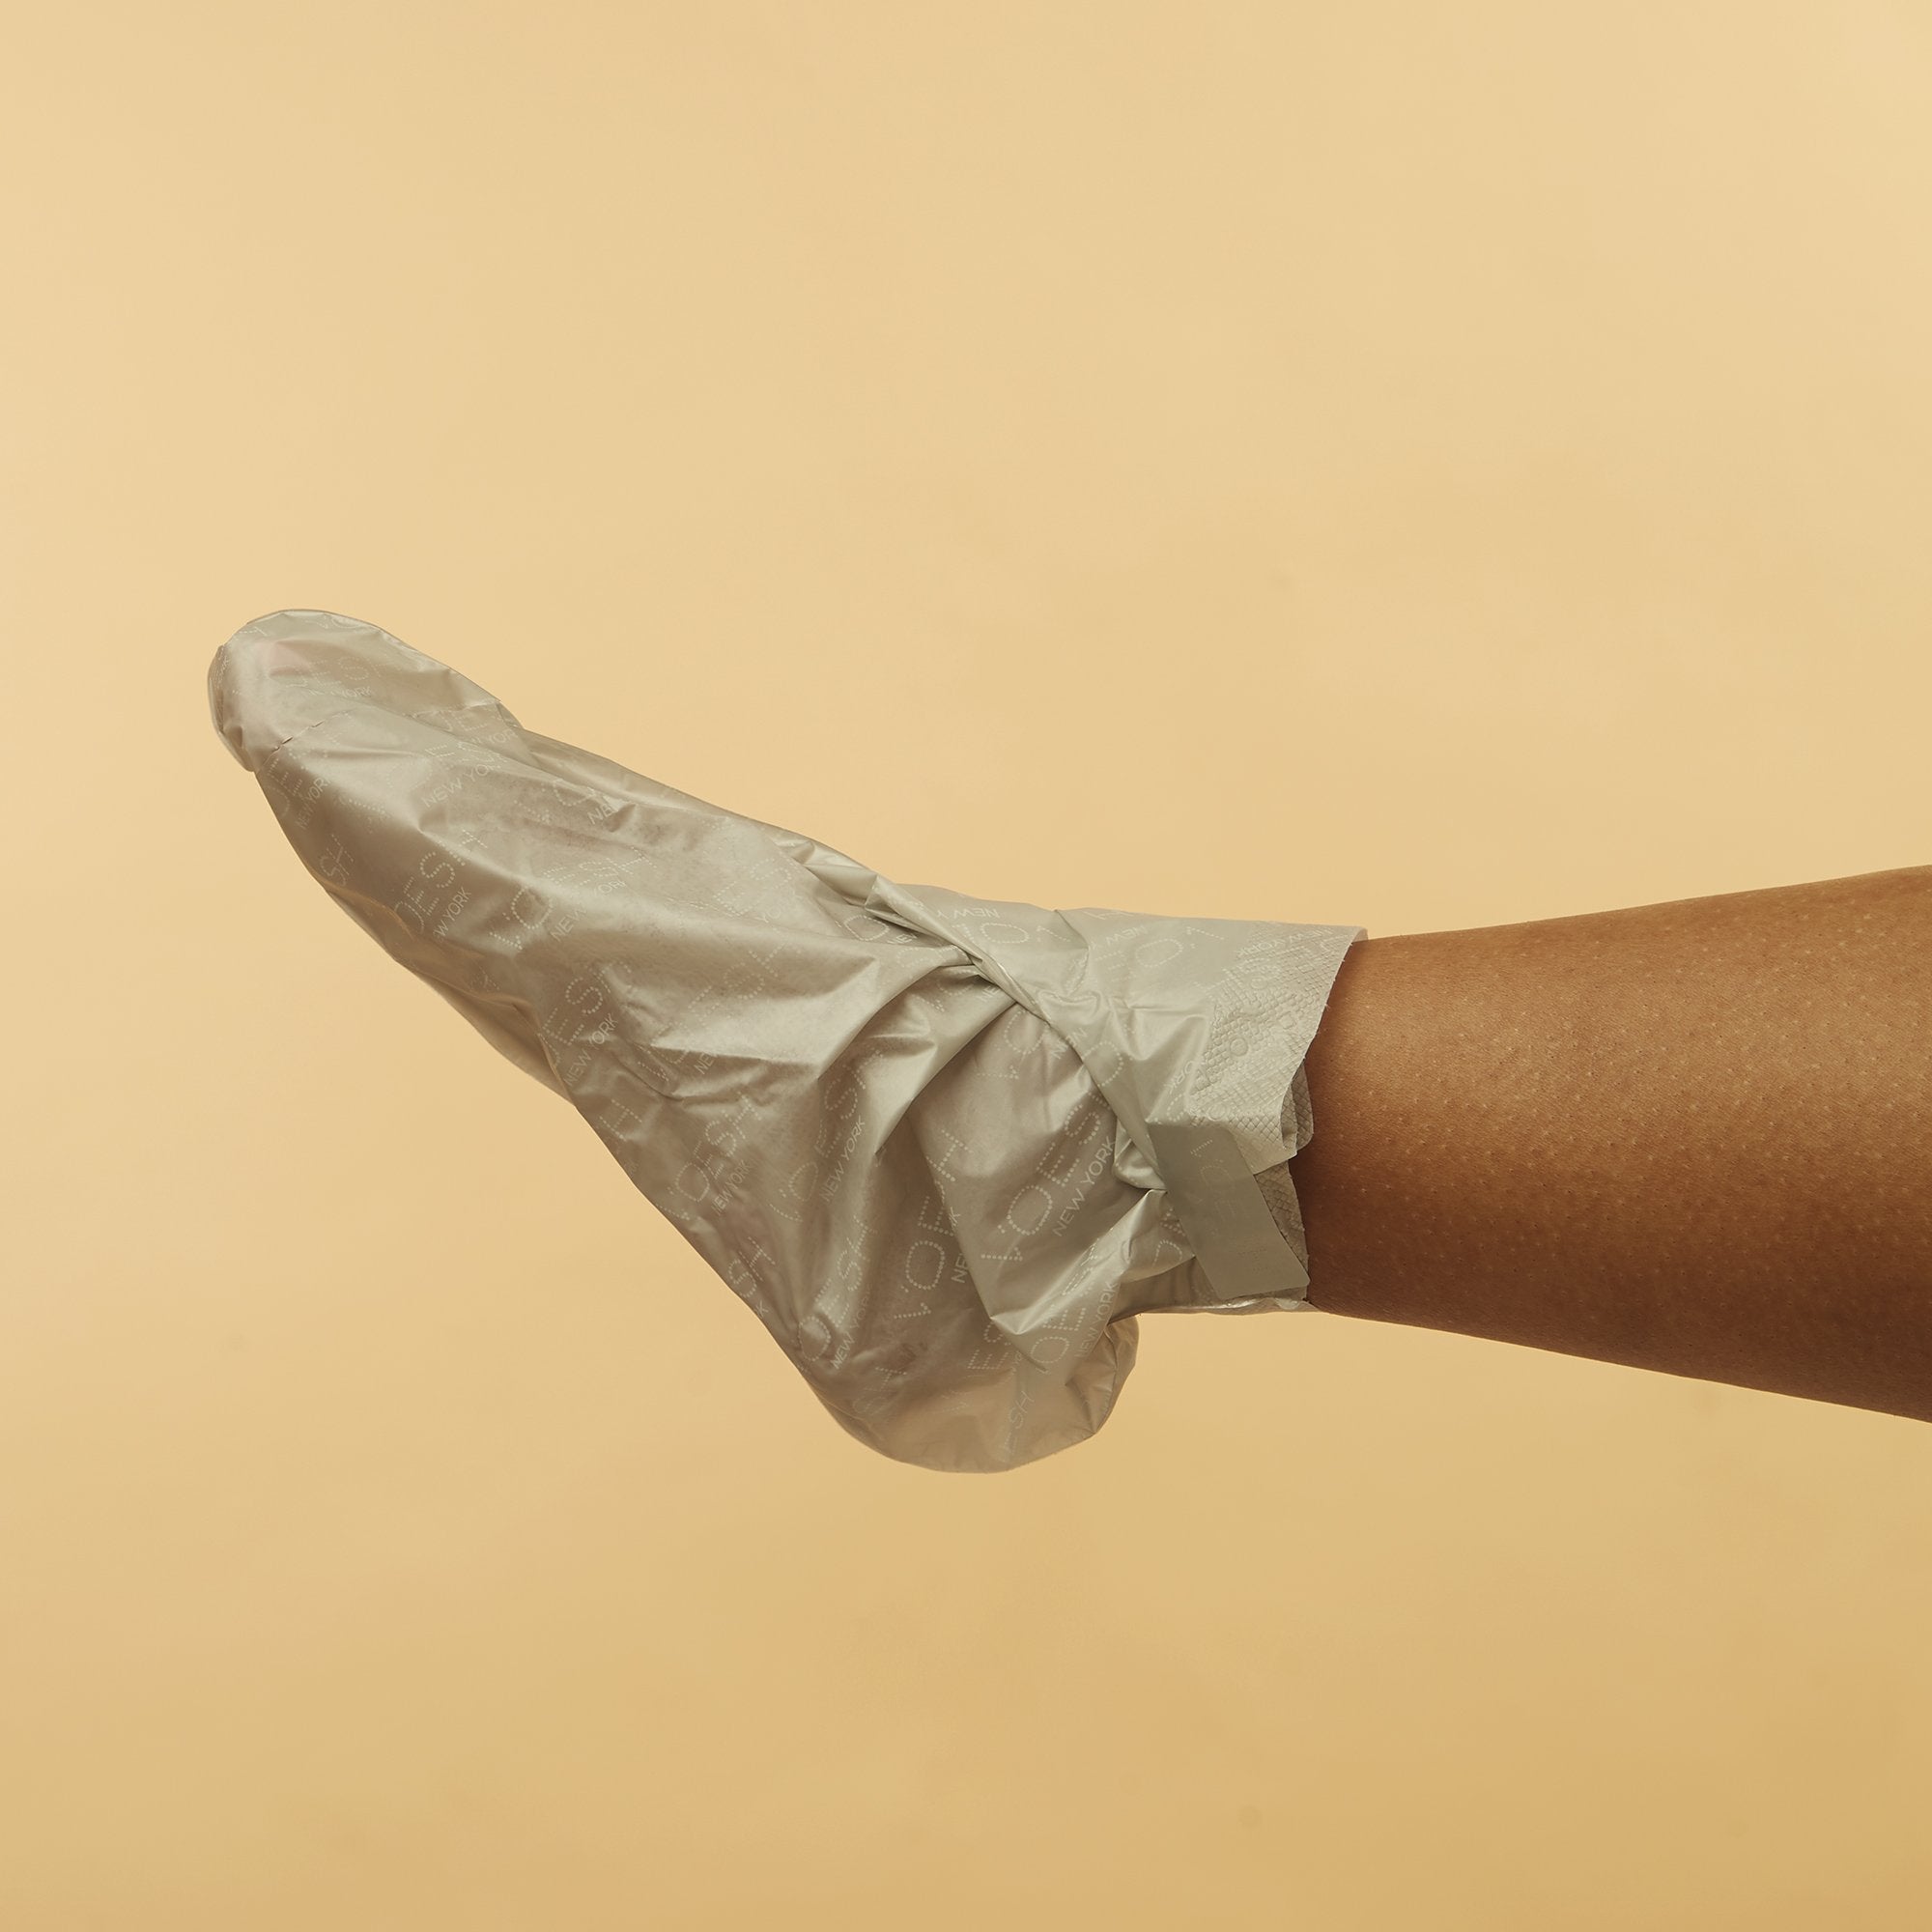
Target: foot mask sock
x,y
946,1149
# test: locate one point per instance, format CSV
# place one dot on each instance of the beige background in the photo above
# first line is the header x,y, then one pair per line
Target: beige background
x,y
1409,465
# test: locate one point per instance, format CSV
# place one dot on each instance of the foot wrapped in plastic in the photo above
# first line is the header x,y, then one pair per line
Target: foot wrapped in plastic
x,y
946,1149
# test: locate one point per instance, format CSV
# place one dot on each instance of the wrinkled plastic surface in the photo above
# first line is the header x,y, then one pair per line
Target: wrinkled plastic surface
x,y
946,1149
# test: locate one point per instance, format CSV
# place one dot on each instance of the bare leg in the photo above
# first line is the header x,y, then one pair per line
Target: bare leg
x,y
1693,1137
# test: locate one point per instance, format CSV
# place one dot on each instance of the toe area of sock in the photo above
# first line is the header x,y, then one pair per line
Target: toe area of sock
x,y
276,677
290,669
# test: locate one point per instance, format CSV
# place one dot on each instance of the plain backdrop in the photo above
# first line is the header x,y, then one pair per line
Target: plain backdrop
x,y
1393,465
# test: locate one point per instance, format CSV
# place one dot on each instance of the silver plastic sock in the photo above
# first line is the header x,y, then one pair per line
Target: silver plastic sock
x,y
946,1148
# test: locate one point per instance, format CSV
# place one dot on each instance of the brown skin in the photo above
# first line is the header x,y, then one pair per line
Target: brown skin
x,y
1693,1137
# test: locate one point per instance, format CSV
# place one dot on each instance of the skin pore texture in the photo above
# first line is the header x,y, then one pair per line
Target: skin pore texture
x,y
1693,1137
